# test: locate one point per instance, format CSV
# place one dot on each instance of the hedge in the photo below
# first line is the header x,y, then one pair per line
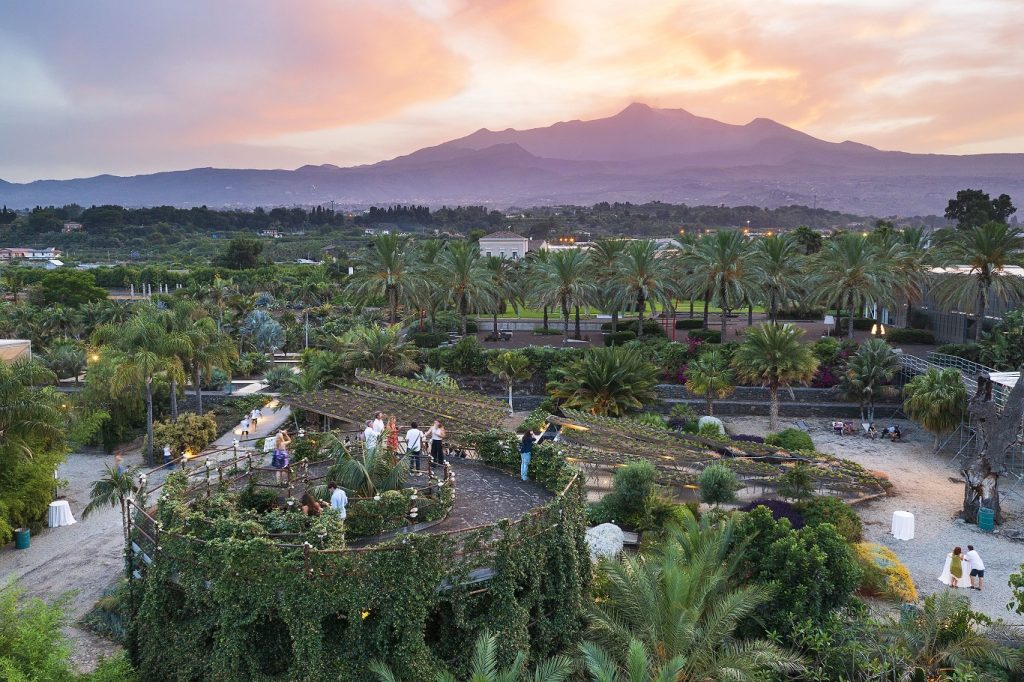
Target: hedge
x,y
618,338
651,327
546,331
690,324
967,351
427,339
790,439
706,335
910,336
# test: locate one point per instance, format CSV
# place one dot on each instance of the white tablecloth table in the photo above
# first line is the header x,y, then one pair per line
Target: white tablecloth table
x,y
903,525
59,514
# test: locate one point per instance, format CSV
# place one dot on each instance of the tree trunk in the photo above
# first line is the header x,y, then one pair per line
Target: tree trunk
x,y
641,303
750,315
910,307
615,321
577,328
174,400
149,421
725,306
773,408
495,329
691,307
981,489
707,299
711,404
510,408
393,304
982,304
773,310
462,314
197,380
849,322
565,318
545,317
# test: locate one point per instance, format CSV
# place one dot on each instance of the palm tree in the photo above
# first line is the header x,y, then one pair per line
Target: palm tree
x,y
606,255
723,264
643,276
673,615
773,356
850,271
709,376
977,260
942,636
606,381
211,348
379,348
385,271
510,367
67,358
367,472
936,399
505,283
780,271
536,262
914,262
467,279
484,666
29,417
564,281
868,374
138,353
113,489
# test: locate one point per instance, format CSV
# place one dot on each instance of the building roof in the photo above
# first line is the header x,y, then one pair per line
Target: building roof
x,y
1012,270
503,235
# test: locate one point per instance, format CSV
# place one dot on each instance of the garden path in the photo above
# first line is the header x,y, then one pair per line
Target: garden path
x,y
83,560
484,495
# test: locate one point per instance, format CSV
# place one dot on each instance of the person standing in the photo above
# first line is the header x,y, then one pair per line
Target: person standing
x,y
310,505
339,500
245,425
413,444
391,435
280,458
977,567
378,422
255,416
437,436
525,452
369,437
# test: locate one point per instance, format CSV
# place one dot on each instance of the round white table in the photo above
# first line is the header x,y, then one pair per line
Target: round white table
x,y
903,525
59,514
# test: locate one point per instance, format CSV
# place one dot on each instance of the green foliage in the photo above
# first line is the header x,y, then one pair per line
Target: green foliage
x,y
883,574
797,483
718,484
973,207
279,377
500,448
900,335
192,432
824,509
379,514
650,419
827,350
868,375
427,339
606,381
1003,349
709,376
936,399
535,420
618,338
71,288
706,335
382,349
773,356
689,324
241,254
790,439
1017,587
632,489
252,363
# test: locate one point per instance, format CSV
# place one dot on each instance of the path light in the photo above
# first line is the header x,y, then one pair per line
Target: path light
x,y
878,330
234,442
209,463
376,498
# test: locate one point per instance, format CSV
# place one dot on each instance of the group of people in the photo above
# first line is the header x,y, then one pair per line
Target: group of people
x,y
251,420
891,432
958,563
311,506
378,433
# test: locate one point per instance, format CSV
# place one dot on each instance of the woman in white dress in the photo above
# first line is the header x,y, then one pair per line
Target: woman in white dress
x,y
948,577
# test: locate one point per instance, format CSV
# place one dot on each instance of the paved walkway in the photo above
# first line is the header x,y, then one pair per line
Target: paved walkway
x,y
484,495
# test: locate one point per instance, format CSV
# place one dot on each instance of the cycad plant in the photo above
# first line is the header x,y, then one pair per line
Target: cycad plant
x,y
936,400
868,375
610,381
113,489
772,355
710,377
673,614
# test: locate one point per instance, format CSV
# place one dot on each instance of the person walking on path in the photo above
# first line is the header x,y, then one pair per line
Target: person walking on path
x,y
339,500
437,436
255,416
245,425
977,567
525,452
413,444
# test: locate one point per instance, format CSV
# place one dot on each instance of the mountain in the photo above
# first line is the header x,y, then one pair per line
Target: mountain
x,y
640,154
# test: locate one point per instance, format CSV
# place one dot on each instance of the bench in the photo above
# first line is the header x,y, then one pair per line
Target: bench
x,y
802,425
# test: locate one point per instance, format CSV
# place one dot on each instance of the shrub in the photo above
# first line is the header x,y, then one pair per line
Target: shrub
x,y
909,336
790,439
651,419
801,313
883,574
690,324
824,509
255,499
251,364
826,350
780,509
618,338
546,331
373,516
744,438
279,378
706,335
717,484
680,414
919,319
629,502
710,429
467,357
651,327
797,483
535,419
191,432
427,339
967,351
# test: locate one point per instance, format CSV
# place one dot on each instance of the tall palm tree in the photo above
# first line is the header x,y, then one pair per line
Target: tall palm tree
x,y
977,259
28,416
506,287
914,263
138,353
723,264
709,376
780,271
773,356
674,614
564,281
379,348
467,279
610,381
510,367
533,275
850,271
66,358
606,255
384,271
868,374
112,489
643,275
936,399
211,348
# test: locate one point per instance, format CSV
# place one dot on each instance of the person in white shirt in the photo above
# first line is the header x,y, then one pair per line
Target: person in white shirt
x,y
369,436
338,498
245,425
977,567
255,415
378,422
437,435
413,445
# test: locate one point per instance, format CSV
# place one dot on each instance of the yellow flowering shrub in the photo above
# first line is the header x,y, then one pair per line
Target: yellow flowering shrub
x,y
884,575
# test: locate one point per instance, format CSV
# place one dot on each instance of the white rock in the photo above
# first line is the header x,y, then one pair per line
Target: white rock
x,y
711,420
605,541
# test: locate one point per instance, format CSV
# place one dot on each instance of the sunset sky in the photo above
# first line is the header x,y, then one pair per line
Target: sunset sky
x,y
124,87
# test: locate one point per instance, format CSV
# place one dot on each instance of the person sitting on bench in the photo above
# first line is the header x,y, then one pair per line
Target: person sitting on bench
x,y
848,429
872,432
896,436
837,428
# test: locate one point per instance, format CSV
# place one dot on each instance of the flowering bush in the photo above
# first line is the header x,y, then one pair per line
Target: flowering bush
x,y
824,378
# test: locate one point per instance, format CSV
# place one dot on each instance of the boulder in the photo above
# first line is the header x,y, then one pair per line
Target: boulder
x,y
711,420
605,541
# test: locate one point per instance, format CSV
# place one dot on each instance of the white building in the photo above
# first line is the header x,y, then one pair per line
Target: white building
x,y
504,245
19,253
71,227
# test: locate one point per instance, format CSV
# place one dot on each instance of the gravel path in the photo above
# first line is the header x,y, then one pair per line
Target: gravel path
x,y
83,560
926,485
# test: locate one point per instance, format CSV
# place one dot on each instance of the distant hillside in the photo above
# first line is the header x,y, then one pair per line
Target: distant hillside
x,y
638,155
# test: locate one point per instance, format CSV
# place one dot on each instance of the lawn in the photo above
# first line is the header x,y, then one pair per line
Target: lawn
x,y
682,310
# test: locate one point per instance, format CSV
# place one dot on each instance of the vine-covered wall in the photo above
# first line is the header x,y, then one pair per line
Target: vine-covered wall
x,y
236,606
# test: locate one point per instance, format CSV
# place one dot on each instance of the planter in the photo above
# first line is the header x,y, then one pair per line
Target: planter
x,y
21,538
